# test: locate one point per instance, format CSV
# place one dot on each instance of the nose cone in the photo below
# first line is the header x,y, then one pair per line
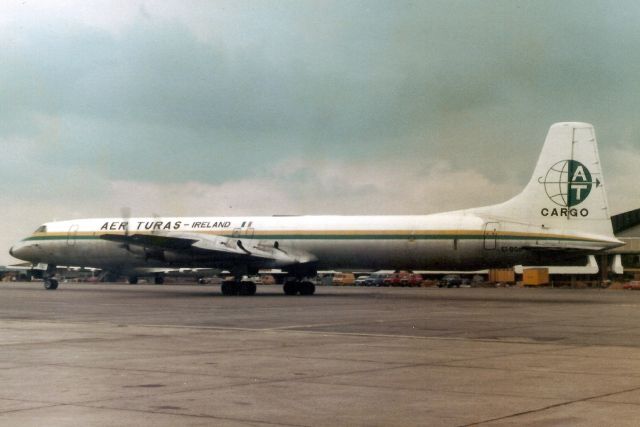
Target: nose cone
x,y
21,251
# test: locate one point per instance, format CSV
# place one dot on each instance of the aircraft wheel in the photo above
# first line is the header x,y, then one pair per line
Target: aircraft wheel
x,y
291,288
50,284
247,288
158,280
307,288
133,280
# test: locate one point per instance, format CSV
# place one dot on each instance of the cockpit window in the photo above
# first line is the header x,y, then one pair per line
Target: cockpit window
x,y
41,229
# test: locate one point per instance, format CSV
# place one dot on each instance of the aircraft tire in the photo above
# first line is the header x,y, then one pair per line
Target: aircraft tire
x,y
50,284
158,280
247,288
291,288
133,280
307,288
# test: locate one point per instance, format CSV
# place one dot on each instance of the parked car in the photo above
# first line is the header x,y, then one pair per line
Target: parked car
x,y
376,279
403,278
450,281
394,279
361,280
412,280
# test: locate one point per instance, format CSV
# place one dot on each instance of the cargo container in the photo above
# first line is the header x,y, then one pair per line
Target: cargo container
x,y
502,275
535,276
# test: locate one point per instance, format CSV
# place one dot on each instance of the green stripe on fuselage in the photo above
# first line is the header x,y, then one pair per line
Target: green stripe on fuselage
x,y
349,236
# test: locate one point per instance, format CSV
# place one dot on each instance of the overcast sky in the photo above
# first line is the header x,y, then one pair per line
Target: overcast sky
x,y
294,107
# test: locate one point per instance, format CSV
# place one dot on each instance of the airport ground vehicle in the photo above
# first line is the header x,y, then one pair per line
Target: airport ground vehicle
x,y
267,279
343,279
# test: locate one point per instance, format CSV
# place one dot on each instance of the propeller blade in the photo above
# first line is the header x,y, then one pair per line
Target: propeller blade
x,y
126,216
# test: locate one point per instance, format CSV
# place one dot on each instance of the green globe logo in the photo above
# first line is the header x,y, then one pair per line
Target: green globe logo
x,y
568,183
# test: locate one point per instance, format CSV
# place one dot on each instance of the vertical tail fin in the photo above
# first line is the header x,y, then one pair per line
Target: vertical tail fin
x,y
566,190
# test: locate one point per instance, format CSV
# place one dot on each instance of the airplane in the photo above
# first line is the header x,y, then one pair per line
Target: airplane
x,y
560,217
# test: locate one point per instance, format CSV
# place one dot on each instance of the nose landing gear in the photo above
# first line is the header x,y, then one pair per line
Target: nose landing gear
x,y
50,283
49,280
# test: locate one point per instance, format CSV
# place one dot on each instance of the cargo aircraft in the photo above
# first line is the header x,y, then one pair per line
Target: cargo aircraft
x,y
561,216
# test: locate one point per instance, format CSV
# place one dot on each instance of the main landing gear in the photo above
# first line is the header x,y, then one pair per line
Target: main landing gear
x,y
237,287
295,287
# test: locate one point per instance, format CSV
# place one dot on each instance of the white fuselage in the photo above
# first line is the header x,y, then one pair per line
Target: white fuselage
x,y
460,240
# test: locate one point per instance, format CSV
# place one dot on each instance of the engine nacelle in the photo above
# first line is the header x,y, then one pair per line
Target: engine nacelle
x,y
147,253
172,256
138,251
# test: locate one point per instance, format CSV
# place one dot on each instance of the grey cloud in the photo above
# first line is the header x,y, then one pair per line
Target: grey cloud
x,y
348,75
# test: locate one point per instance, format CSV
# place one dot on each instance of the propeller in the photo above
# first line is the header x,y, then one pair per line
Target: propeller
x,y
137,248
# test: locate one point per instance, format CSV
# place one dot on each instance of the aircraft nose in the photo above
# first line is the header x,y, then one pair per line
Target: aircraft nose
x,y
20,251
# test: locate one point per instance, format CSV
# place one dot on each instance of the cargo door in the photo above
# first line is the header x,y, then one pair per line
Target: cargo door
x,y
491,235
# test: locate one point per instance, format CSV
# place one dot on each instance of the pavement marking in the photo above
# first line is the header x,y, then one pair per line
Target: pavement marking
x,y
289,329
557,405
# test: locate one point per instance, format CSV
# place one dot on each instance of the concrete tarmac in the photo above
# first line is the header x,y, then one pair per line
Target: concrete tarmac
x,y
147,355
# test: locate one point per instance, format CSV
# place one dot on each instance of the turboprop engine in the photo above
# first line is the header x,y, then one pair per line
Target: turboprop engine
x,y
147,253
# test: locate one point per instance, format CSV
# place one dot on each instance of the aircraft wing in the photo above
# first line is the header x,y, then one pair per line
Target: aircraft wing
x,y
218,247
151,240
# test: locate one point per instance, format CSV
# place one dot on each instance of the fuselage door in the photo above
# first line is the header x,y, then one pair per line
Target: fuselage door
x,y
245,230
249,232
72,235
491,235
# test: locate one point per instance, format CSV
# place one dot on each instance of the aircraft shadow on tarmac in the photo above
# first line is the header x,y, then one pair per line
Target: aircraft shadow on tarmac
x,y
510,296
